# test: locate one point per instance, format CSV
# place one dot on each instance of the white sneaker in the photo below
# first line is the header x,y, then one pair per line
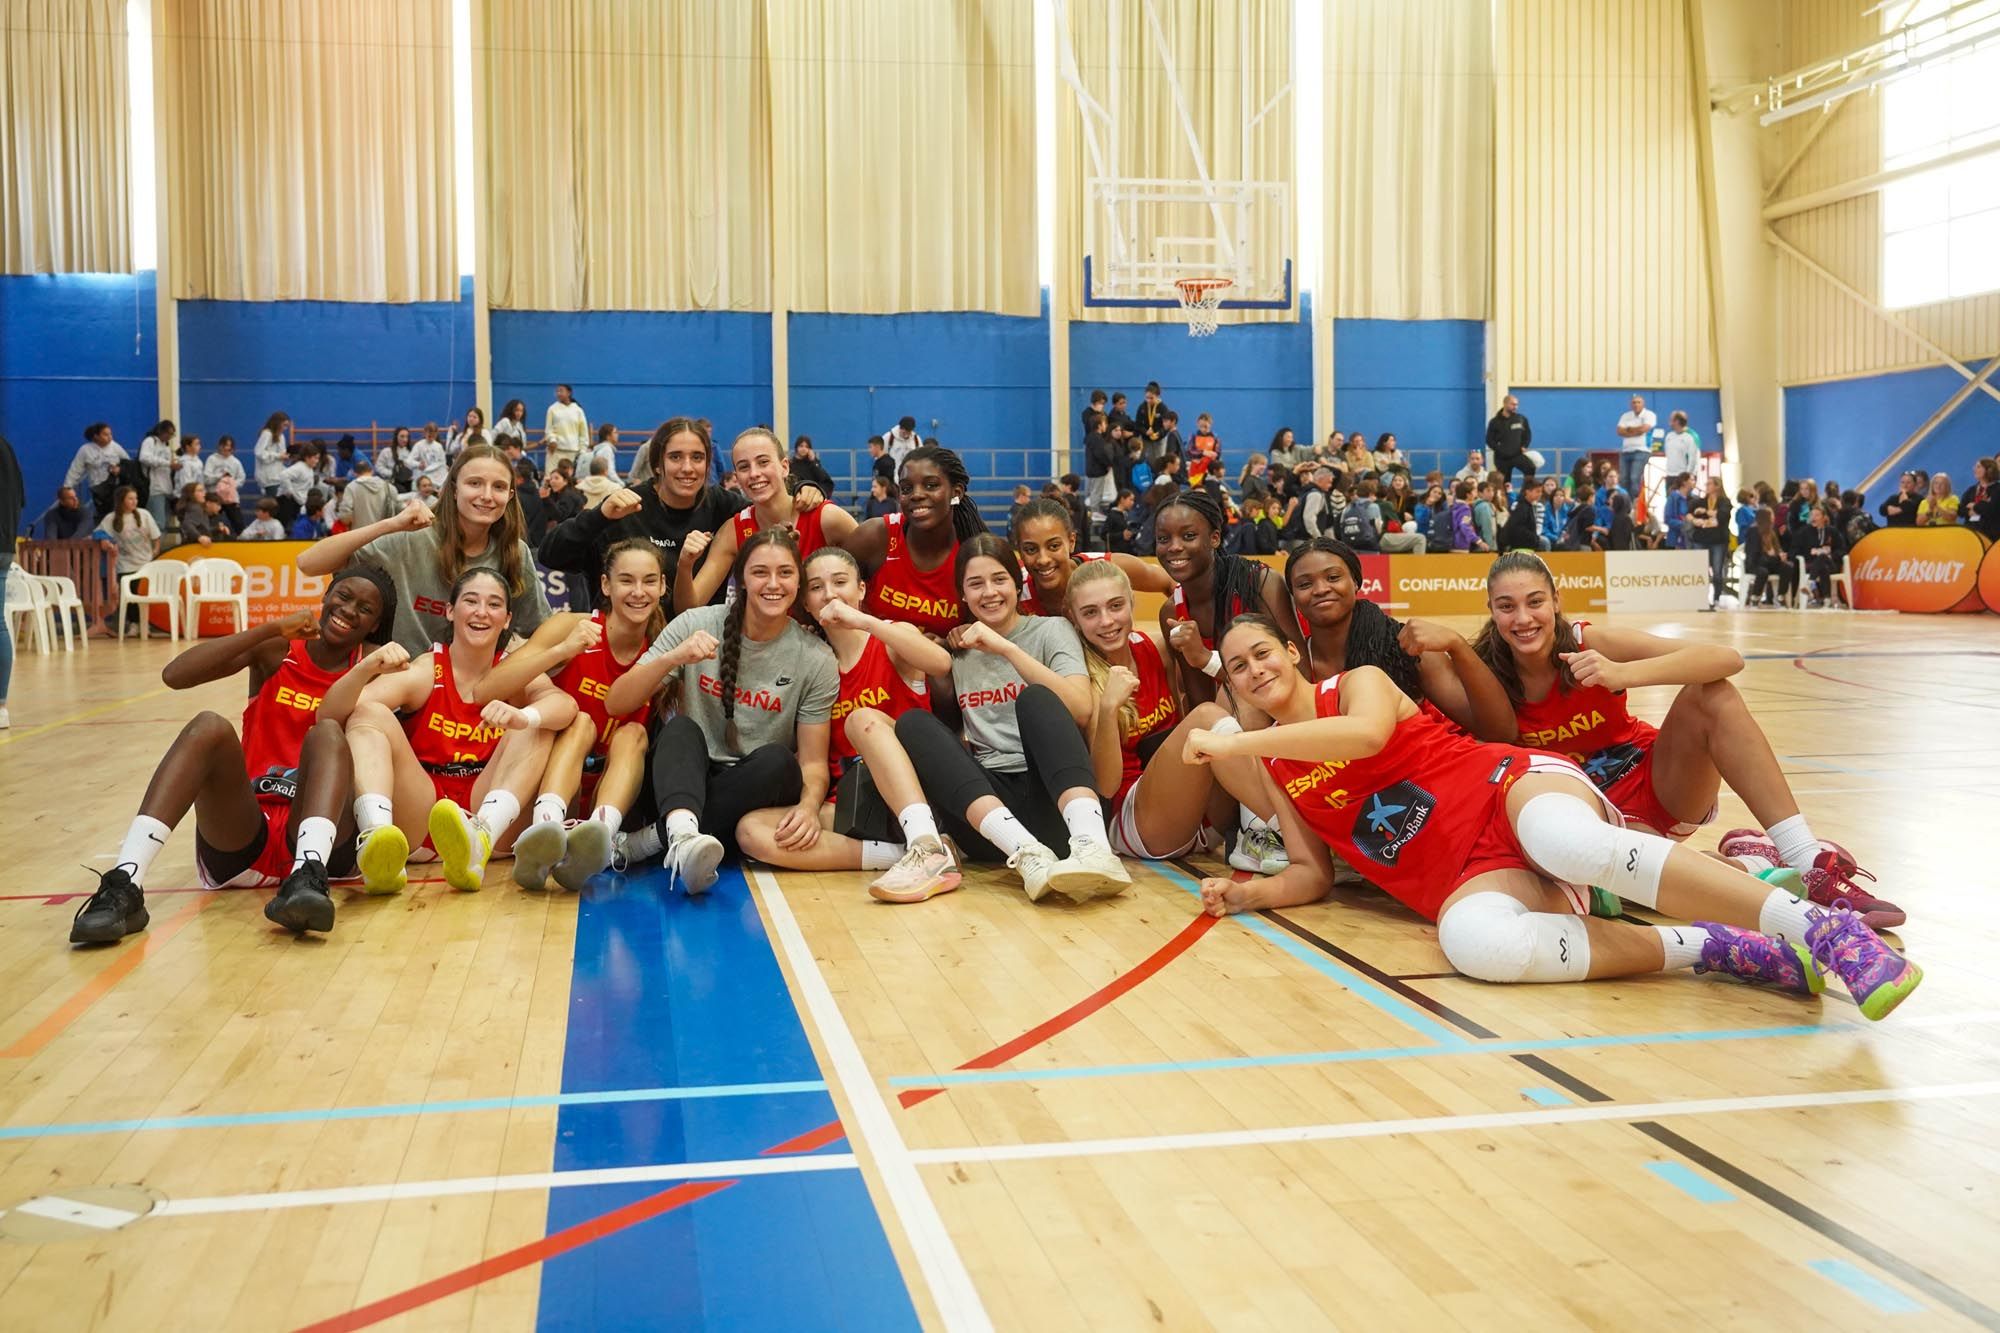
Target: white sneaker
x,y
1036,863
692,858
5,721
1092,870
925,870
536,853
587,850
1259,851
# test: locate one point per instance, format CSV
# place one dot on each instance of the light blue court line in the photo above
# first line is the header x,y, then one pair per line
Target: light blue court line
x,y
409,1108
1690,1182
1866,1285
1546,1097
1394,1006
1373,1054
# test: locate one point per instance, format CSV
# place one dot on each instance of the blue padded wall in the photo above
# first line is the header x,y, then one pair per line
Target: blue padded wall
x,y
1840,430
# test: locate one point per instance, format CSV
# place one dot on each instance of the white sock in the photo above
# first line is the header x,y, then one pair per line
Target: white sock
x,y
1784,915
1683,945
682,824
1085,817
643,844
1004,831
610,815
315,840
1754,864
879,855
372,812
1795,842
499,811
143,841
550,808
917,822
1247,819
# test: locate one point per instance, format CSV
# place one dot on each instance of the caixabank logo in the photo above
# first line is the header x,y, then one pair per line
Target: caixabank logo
x,y
1611,763
1386,820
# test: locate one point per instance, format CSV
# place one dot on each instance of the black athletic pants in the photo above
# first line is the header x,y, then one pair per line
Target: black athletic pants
x,y
685,778
953,779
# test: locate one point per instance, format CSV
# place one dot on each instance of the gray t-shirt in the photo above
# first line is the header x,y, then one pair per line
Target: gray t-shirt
x,y
423,597
781,684
987,685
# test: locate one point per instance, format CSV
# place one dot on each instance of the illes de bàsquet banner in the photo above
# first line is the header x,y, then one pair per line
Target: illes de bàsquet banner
x,y
1919,569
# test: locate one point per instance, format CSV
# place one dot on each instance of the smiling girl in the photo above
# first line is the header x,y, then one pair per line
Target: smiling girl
x,y
1045,539
909,557
761,472
1211,589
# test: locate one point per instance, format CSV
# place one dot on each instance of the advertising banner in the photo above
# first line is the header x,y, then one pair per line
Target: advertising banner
x,y
1989,579
1455,585
1918,569
1656,580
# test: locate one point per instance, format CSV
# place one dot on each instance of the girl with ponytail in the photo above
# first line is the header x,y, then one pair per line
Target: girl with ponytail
x,y
909,557
756,696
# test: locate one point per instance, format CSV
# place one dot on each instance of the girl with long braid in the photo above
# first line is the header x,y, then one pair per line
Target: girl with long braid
x,y
910,557
1212,588
757,691
1045,539
1568,695
1497,843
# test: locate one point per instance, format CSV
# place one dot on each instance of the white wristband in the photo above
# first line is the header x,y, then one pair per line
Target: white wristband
x,y
1213,666
534,717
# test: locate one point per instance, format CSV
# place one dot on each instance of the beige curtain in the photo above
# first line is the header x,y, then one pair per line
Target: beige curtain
x,y
306,149
1409,158
903,137
628,155
65,145
1225,53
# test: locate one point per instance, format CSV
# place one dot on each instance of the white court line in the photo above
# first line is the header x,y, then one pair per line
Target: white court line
x,y
533,1180
943,1269
1445,1124
77,1211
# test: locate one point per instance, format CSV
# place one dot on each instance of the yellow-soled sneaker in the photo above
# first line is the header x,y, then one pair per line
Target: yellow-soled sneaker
x,y
462,845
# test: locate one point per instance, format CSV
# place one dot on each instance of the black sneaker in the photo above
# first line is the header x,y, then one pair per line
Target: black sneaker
x,y
302,902
116,910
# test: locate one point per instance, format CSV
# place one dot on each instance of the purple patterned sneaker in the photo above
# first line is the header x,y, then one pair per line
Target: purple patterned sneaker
x,y
1876,976
1770,960
1832,883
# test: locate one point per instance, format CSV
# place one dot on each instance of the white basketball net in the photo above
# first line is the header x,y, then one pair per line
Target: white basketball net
x,y
1200,301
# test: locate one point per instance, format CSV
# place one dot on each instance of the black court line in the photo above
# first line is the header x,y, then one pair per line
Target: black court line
x,y
1848,1239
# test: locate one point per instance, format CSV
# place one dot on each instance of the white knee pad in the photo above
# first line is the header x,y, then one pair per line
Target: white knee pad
x,y
1568,839
1492,937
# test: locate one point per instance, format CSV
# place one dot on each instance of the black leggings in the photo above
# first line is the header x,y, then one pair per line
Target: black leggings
x,y
953,779
685,778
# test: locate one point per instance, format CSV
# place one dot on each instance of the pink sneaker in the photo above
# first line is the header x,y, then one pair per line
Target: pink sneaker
x,y
1750,842
1832,883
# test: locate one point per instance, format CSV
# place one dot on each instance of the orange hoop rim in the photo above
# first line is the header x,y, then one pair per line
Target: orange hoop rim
x,y
1197,287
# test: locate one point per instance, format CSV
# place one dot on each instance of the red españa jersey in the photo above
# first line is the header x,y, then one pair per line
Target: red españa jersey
x,y
1237,607
1031,597
1409,816
588,678
871,682
806,527
446,732
1589,725
926,598
1154,703
276,720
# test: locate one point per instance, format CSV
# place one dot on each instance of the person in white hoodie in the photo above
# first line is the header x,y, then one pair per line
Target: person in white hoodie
x,y
93,463
565,429
272,452
156,459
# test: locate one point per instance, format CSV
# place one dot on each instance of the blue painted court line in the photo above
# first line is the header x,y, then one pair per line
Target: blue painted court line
x,y
1546,1097
409,1108
1372,1054
672,991
1362,988
1691,1182
1866,1285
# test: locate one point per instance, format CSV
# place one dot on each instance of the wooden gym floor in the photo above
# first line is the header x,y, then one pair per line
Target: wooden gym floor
x,y
790,1107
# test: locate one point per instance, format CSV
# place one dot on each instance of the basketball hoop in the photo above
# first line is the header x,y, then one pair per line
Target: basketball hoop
x,y
1200,298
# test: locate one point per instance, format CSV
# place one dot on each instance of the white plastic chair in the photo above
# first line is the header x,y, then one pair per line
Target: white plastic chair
x,y
27,600
66,608
222,581
1841,582
163,588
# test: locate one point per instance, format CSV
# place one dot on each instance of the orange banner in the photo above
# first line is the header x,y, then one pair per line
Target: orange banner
x,y
1989,579
1917,569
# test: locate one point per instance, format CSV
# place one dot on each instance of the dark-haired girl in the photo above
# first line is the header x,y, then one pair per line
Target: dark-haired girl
x,y
761,471
478,524
756,696
909,557
1045,539
601,754
1497,844
156,462
1568,694
1022,689
272,451
271,804
1212,588
430,757
512,421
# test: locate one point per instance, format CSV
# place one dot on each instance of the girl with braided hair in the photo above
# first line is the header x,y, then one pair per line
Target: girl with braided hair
x,y
1045,539
909,557
756,696
1212,588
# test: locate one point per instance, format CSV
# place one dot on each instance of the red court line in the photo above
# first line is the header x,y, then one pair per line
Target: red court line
x,y
99,985
534,1252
